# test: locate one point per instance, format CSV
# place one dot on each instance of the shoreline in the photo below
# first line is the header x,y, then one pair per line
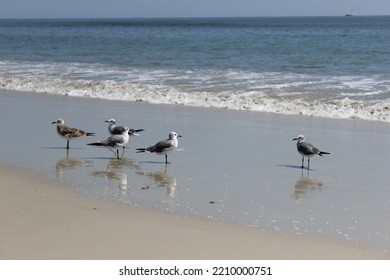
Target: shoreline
x,y
149,104
45,219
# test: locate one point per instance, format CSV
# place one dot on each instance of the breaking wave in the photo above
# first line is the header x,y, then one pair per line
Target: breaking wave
x,y
284,93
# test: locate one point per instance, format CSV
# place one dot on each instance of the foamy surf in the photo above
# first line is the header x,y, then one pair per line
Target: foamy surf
x,y
346,106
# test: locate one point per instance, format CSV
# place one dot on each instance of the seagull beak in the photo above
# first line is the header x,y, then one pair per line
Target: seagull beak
x,y
54,122
295,139
107,121
179,135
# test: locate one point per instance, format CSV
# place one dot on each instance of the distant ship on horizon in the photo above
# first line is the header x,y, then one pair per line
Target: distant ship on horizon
x,y
348,15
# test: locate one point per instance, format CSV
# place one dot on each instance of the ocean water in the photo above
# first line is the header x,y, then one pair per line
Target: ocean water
x,y
335,67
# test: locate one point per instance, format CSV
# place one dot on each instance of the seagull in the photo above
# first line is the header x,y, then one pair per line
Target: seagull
x,y
114,129
114,142
307,149
69,133
163,147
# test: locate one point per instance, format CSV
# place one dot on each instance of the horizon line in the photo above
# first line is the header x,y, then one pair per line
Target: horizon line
x,y
187,17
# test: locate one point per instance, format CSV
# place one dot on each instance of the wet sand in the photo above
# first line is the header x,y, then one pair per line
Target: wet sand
x,y
43,219
235,188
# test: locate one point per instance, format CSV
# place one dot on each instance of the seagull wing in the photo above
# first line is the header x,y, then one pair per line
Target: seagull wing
x,y
114,140
71,132
118,129
162,146
307,149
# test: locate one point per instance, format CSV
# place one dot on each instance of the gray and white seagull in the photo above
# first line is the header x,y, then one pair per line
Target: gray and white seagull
x,y
307,149
118,129
70,133
163,147
114,142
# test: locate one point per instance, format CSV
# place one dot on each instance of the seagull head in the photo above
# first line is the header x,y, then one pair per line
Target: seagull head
x,y
59,121
299,138
173,135
112,121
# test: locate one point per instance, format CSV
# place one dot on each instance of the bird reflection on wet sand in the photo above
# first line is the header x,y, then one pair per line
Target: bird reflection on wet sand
x,y
69,163
305,185
115,170
163,179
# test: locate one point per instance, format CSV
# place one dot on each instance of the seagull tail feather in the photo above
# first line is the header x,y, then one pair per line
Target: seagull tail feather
x,y
95,144
141,150
90,134
323,153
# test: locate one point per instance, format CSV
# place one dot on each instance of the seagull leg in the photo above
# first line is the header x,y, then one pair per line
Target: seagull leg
x,y
67,143
117,154
166,159
303,158
123,151
308,163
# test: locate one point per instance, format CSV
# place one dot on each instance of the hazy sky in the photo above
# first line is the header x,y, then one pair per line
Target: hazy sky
x,y
187,8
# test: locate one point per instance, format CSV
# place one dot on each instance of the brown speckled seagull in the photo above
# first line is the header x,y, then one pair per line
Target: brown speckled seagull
x,y
69,133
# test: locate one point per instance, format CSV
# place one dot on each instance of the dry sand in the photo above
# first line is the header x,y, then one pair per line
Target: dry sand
x,y
43,219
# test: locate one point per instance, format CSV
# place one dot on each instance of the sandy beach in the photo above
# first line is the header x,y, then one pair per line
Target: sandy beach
x,y
234,190
43,219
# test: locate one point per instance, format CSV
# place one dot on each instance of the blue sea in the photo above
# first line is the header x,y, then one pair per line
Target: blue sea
x,y
336,67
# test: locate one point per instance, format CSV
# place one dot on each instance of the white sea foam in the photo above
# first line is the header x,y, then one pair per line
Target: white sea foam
x,y
160,94
286,93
